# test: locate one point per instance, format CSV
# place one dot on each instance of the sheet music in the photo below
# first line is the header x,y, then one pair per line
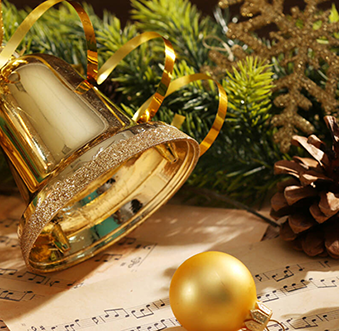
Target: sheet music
x,y
123,305
128,254
302,291
128,290
126,286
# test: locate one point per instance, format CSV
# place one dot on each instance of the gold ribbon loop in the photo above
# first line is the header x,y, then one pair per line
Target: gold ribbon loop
x,y
222,108
25,26
145,113
165,88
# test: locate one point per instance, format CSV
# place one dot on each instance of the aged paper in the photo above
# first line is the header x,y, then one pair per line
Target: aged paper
x,y
129,292
138,265
303,293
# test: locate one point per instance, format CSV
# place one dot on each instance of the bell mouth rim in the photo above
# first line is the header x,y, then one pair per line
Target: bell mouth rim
x,y
58,193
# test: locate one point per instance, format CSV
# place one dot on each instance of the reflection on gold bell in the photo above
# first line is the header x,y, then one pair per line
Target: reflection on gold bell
x,y
88,172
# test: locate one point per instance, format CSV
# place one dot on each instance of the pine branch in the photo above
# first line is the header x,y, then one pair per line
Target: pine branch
x,y
241,160
181,22
136,78
245,144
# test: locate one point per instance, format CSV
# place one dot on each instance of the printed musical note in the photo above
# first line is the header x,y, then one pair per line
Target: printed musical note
x,y
129,251
3,326
304,322
302,285
260,278
16,295
161,325
9,242
84,324
126,241
160,303
148,309
134,262
270,296
311,321
114,314
9,222
142,312
295,286
108,257
281,274
324,283
97,320
330,316
30,277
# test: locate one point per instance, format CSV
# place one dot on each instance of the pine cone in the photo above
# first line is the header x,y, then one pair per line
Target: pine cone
x,y
310,199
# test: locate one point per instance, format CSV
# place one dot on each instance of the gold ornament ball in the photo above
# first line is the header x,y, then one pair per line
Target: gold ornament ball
x,y
212,291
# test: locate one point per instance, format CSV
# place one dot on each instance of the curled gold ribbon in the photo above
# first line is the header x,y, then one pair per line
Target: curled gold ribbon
x,y
92,55
25,26
165,88
221,112
143,114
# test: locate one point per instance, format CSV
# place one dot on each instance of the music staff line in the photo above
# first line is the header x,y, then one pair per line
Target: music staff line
x,y
30,277
292,270
132,245
6,241
110,315
9,222
33,278
294,288
17,296
311,321
157,326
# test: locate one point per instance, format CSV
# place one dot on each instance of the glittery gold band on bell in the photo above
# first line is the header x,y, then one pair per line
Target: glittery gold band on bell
x,y
88,172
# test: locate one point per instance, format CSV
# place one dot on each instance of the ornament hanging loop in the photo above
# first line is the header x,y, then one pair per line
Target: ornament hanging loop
x,y
225,47
277,322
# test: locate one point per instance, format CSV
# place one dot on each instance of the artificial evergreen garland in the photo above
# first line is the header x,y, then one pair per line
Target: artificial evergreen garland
x,y
240,163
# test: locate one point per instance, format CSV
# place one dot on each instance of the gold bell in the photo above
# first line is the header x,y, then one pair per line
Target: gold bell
x,y
88,173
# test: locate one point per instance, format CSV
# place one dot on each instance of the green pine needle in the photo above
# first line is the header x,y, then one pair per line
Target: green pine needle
x,y
241,160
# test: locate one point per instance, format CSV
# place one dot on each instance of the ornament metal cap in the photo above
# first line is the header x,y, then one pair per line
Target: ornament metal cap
x,y
261,315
